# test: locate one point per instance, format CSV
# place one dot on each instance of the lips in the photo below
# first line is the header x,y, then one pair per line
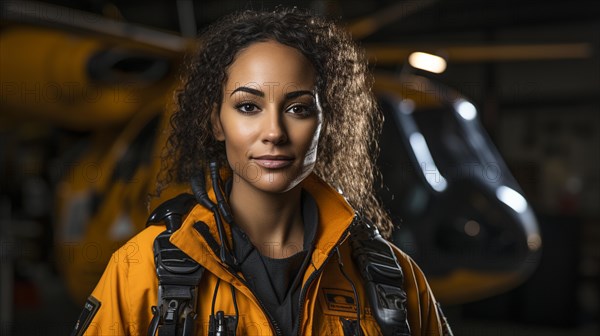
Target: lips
x,y
274,161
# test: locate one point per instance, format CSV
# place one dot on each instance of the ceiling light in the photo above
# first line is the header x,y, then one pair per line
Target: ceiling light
x,y
427,62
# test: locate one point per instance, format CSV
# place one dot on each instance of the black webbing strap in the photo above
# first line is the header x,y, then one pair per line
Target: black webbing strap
x,y
178,274
446,330
382,276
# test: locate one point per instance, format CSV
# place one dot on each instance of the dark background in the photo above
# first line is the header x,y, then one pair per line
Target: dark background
x,y
542,113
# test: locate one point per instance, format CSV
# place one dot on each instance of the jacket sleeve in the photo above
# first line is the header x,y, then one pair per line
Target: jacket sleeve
x,y
122,300
111,316
423,314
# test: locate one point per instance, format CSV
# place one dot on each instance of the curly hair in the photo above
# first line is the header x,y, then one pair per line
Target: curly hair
x,y
351,119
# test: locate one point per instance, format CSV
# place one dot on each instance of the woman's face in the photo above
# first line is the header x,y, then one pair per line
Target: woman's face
x,y
270,117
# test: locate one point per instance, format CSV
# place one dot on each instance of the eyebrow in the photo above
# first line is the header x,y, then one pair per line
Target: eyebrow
x,y
289,95
295,94
248,90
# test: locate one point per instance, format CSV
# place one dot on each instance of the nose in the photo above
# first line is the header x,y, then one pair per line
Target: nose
x,y
274,130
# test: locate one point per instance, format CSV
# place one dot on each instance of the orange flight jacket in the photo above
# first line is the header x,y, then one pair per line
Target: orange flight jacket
x,y
128,288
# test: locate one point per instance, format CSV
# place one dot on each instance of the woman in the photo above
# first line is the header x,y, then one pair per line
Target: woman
x,y
282,101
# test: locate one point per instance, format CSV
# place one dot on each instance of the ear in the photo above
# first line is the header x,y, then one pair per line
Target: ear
x,y
217,128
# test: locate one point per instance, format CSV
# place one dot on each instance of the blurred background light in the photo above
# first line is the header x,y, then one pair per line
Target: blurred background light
x,y
512,198
430,171
465,109
427,62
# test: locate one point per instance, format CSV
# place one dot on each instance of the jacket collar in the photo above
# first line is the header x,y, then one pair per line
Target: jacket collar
x,y
335,216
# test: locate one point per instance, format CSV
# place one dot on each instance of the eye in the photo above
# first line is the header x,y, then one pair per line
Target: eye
x,y
300,110
247,108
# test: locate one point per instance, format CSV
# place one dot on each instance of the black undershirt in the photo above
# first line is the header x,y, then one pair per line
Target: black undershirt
x,y
276,282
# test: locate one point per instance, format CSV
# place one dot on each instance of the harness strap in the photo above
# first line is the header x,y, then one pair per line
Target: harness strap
x,y
382,276
446,330
178,274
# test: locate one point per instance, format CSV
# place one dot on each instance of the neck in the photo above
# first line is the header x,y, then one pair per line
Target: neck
x,y
273,222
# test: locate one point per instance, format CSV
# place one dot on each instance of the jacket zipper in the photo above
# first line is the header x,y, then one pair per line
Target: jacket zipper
x,y
262,306
312,277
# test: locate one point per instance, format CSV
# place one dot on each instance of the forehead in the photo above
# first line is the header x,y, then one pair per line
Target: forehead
x,y
268,64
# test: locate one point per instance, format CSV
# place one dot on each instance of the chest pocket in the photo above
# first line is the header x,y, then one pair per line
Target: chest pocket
x,y
336,314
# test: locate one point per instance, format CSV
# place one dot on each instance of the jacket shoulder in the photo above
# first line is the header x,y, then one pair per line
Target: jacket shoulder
x,y
127,289
137,251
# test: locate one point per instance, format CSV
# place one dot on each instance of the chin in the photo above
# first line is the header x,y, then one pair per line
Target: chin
x,y
277,183
274,180
280,181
